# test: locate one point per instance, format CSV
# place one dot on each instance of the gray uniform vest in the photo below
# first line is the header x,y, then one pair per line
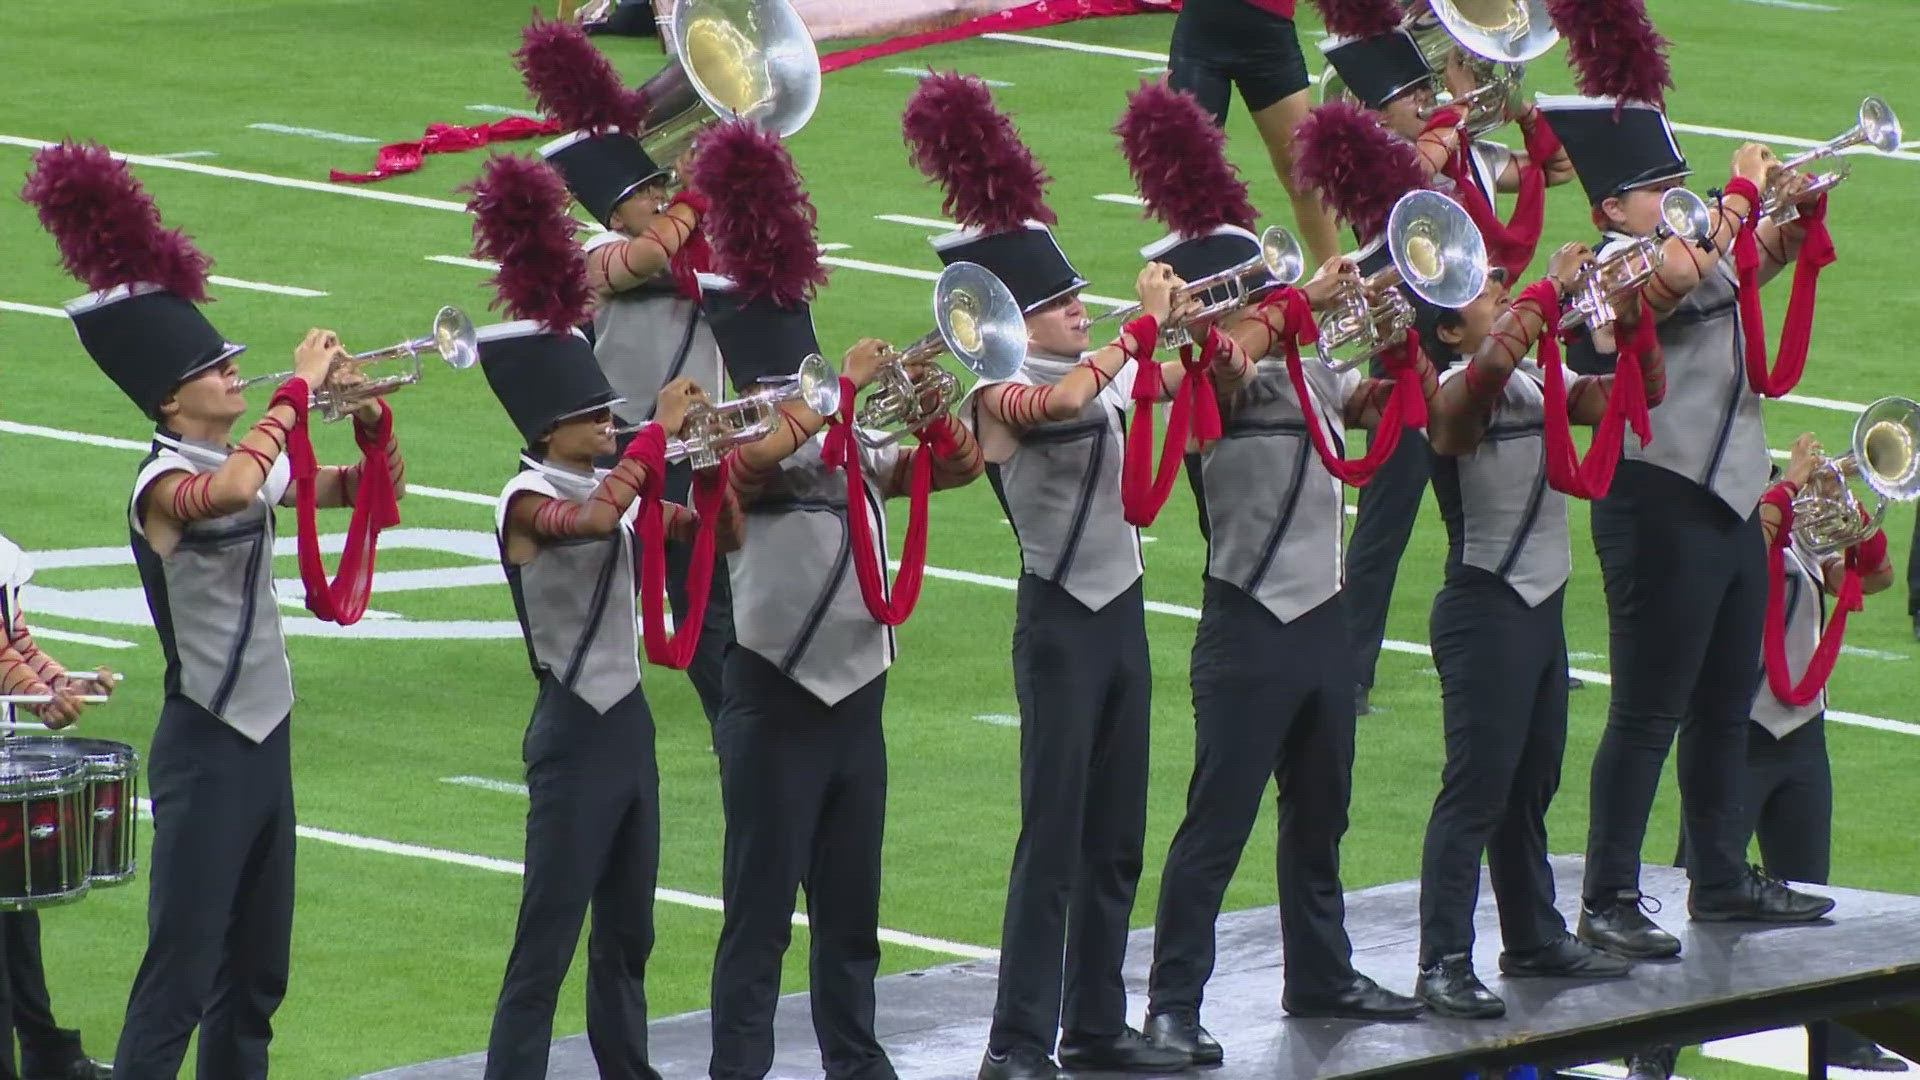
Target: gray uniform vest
x,y
796,598
575,597
1806,606
212,599
15,571
1501,516
1275,516
1060,486
1708,429
648,336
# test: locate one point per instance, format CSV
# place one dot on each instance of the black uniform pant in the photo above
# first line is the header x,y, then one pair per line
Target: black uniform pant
x,y
1272,701
1686,583
804,785
1221,44
1388,508
1913,568
219,899
1085,684
46,1048
593,842
1503,695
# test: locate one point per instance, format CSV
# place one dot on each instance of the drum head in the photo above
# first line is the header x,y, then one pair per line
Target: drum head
x,y
102,757
38,769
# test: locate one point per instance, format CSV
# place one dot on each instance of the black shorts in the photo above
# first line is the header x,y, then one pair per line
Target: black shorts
x,y
1221,44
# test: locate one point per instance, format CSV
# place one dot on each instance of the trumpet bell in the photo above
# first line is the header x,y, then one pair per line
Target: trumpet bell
x,y
1879,126
819,385
1280,250
1505,31
979,321
732,58
1885,455
1685,215
455,339
1437,248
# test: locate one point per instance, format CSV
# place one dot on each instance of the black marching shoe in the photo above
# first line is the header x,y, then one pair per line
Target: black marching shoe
x,y
1179,1029
1450,988
1620,926
1654,1064
1568,958
1757,898
1363,999
1019,1063
1848,1050
1128,1051
1575,682
1361,706
80,1068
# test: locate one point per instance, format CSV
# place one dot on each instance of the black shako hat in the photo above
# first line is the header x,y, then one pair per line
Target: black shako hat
x,y
758,338
148,340
1379,68
1029,260
1613,154
602,168
541,377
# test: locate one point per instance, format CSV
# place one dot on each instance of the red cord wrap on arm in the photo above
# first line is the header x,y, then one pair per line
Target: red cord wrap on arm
x,y
1873,551
709,497
1407,407
842,451
1774,644
344,599
1591,477
1146,485
1510,243
1816,252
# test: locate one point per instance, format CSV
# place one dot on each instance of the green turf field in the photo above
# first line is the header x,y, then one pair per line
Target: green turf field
x,y
399,950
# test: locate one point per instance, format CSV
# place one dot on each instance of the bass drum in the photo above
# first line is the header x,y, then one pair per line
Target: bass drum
x,y
46,849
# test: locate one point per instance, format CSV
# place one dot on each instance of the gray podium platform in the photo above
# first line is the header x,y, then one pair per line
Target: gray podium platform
x,y
1731,979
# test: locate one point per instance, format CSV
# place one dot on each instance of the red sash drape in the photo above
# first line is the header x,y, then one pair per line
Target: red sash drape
x,y
1510,243
1591,477
405,157
1406,408
343,599
1816,253
709,498
1144,485
1780,680
842,451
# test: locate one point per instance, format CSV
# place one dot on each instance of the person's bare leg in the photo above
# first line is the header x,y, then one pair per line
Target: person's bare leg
x,y
1316,228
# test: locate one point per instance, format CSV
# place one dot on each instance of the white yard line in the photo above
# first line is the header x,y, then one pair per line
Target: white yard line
x,y
188,154
1794,5
31,309
98,642
505,110
917,222
921,73
311,133
261,286
1122,200
1079,47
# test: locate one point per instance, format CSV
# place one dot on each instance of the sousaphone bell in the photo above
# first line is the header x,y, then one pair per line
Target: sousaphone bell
x,y
731,58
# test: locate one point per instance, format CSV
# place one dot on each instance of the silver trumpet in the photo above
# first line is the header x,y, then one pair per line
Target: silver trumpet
x,y
1878,128
1280,262
1437,252
1619,277
710,430
977,319
1827,515
389,369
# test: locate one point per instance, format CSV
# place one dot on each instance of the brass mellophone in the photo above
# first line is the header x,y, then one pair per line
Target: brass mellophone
x,y
977,319
1878,128
1885,455
1619,277
710,430
1437,252
452,337
1280,262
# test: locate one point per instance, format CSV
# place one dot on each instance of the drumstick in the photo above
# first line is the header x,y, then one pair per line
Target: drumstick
x,y
42,699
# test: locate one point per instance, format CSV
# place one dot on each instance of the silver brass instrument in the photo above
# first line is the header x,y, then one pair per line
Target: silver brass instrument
x,y
1280,262
1619,277
749,58
1437,252
1827,516
1495,40
1878,128
977,319
710,430
452,337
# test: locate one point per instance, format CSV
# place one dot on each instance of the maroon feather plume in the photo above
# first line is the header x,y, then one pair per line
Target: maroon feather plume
x,y
107,226
521,221
1179,161
759,221
956,136
1359,18
1359,167
1614,48
573,81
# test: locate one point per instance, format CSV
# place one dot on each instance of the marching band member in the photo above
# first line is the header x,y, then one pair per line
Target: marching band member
x,y
647,326
1499,642
567,544
220,907
1052,436
803,762
1678,537
46,1048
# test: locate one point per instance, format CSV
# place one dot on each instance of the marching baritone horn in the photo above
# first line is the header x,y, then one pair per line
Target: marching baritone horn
x,y
1619,277
1437,252
977,319
1827,515
709,431
452,337
1878,128
731,58
1280,262
1494,41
